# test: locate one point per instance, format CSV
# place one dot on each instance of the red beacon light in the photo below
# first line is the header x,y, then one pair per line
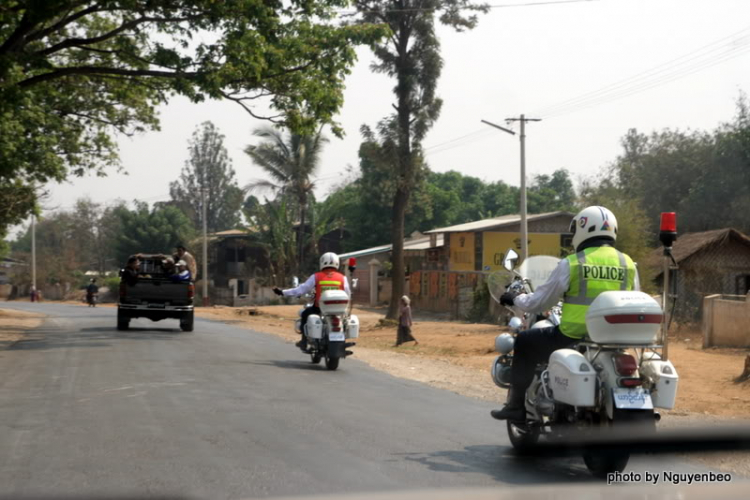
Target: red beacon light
x,y
668,228
352,264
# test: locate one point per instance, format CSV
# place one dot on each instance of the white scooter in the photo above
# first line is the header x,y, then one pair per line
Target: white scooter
x,y
614,376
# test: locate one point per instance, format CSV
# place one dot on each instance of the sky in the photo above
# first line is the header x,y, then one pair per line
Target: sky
x,y
679,64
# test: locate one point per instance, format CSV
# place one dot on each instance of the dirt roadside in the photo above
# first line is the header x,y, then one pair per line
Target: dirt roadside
x,y
14,323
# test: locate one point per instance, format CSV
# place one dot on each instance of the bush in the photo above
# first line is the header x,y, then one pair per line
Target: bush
x,y
480,307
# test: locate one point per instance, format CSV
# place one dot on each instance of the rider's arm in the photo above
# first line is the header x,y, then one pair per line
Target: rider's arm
x,y
637,283
306,287
346,287
549,292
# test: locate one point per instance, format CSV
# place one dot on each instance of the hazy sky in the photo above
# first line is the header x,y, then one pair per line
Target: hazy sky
x,y
518,60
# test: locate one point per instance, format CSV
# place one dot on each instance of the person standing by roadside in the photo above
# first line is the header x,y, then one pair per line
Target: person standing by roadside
x,y
404,323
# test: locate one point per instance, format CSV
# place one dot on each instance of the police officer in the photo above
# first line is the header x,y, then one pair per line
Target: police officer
x,y
596,267
328,278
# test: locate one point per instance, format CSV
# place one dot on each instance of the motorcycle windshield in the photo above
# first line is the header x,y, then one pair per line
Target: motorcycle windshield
x,y
538,268
498,281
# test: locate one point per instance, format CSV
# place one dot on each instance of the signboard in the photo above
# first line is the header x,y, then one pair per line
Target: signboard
x,y
495,245
462,252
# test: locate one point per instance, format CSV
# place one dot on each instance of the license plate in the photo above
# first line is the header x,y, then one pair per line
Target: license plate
x,y
336,337
632,399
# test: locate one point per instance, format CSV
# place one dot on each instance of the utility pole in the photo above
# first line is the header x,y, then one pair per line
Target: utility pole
x,y
205,248
33,252
524,224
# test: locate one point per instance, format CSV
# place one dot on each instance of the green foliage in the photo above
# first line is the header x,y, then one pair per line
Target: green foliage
x,y
443,199
291,162
208,168
150,231
18,201
73,72
480,306
704,176
551,193
273,224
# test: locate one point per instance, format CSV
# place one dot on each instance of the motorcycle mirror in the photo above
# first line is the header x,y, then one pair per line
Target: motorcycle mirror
x,y
510,260
295,282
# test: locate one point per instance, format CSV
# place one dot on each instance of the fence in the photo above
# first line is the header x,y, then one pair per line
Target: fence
x,y
725,320
449,292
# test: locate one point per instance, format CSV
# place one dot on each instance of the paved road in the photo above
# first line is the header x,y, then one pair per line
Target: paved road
x,y
228,413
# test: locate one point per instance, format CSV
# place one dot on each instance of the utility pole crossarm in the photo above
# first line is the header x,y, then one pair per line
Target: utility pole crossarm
x,y
499,127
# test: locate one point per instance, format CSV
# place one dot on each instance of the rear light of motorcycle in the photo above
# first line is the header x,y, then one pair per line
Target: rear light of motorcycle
x,y
123,290
630,382
625,364
191,291
335,323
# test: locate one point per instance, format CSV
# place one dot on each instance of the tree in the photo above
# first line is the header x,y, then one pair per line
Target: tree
x,y
273,224
291,162
551,193
411,55
19,200
74,72
158,230
208,168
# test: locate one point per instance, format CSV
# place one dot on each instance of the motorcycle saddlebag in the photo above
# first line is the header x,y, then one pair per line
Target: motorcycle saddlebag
x,y
314,327
571,378
352,327
664,376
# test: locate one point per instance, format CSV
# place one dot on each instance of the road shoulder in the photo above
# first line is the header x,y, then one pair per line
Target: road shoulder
x,y
14,324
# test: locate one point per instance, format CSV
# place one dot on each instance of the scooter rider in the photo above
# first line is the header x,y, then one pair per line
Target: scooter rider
x,y
596,267
328,278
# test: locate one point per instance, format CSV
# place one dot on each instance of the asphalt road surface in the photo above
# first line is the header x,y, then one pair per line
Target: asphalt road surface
x,y
224,412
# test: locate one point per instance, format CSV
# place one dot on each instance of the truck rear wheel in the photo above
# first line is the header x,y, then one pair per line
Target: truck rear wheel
x,y
123,322
186,322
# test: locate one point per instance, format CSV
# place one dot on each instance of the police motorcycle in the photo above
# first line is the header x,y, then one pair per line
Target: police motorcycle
x,y
612,378
329,334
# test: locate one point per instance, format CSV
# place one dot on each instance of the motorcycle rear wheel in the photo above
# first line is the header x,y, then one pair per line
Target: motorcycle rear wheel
x,y
332,363
602,464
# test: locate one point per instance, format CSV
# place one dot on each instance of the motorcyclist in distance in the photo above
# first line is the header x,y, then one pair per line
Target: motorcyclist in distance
x,y
596,267
328,278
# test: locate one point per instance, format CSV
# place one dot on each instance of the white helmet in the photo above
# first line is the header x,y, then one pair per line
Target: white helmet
x,y
329,259
593,222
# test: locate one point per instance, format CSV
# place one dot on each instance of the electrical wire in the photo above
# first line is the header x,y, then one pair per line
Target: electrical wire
x,y
659,75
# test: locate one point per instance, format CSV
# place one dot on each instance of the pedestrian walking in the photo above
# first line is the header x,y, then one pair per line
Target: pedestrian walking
x,y
404,323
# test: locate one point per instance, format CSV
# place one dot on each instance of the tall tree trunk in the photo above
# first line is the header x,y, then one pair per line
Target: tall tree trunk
x,y
301,235
398,271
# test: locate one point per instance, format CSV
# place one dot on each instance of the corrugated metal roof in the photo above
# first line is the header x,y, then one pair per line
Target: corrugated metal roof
x,y
409,245
496,222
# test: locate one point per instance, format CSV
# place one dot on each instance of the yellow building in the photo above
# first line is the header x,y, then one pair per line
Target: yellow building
x,y
481,245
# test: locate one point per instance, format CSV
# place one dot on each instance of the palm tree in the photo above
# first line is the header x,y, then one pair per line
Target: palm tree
x,y
291,161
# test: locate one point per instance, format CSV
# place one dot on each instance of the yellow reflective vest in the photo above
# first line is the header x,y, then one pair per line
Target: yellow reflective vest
x,y
593,271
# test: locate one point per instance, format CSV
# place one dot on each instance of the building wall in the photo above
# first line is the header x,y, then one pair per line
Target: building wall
x,y
715,270
725,321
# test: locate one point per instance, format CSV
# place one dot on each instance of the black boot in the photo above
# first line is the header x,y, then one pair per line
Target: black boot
x,y
514,409
302,344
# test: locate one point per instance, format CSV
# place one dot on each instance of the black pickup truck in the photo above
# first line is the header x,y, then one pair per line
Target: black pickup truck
x,y
155,296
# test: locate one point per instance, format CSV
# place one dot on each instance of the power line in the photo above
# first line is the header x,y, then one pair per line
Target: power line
x,y
684,65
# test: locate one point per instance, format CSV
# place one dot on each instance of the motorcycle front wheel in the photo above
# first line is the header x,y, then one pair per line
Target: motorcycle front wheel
x,y
315,358
522,436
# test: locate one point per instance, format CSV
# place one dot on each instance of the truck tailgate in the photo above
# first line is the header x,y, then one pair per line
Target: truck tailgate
x,y
155,291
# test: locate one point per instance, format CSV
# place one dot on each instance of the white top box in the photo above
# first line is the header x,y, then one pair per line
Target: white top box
x,y
333,302
624,317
